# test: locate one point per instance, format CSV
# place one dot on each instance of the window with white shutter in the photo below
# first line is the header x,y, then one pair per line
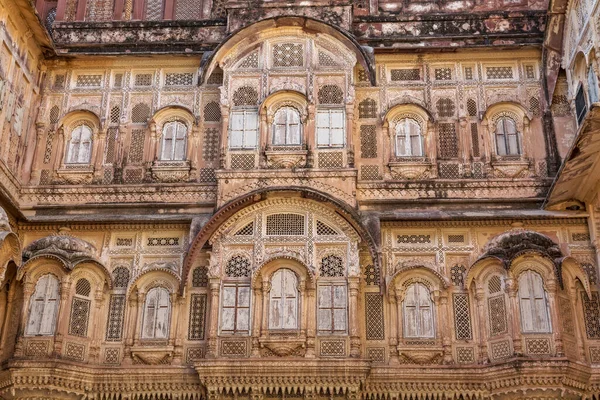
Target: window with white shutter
x,y
79,149
332,312
283,300
235,309
331,128
43,307
409,138
243,129
157,314
535,317
174,141
418,312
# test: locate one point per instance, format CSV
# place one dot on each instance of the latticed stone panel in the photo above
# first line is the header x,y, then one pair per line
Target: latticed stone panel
x,y
538,346
74,351
499,72
121,275
212,112
210,150
332,348
112,355
370,173
376,354
136,149
445,107
188,9
443,74
497,315
330,94
179,79
288,55
116,316
500,350
242,161
331,159
80,314
475,139
462,317
591,315
368,141
408,74
285,225
234,348
245,96
111,140
372,275
197,317
88,81
332,266
465,355
448,140
374,316
238,267
367,109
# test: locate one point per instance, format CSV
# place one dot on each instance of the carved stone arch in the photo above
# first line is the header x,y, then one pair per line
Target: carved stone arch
x,y
537,263
69,249
356,222
41,265
481,270
417,272
75,118
509,108
572,270
274,263
283,98
242,39
154,278
95,271
407,103
172,113
10,250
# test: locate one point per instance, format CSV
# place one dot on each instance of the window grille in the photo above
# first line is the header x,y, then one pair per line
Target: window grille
x,y
580,105
83,287
285,225
154,10
288,55
116,316
475,139
188,10
368,141
534,106
243,161
443,74
499,72
120,277
497,315
449,171
590,270
238,267
324,230
367,109
472,107
251,61
88,81
330,94
462,317
212,112
494,285
111,139
370,173
207,175
413,74
140,113
210,150
362,76
197,317
591,315
332,267
445,107
179,79
469,73
332,309
200,277
374,316
448,146
163,241
245,96
331,159
136,148
54,113
325,60
247,230
216,78
143,80
413,239
80,313
115,115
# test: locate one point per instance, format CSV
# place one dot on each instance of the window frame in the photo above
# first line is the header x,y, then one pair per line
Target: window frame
x,y
244,132
419,327
160,289
175,141
45,301
286,126
533,301
236,307
330,111
408,137
506,137
78,144
283,300
331,284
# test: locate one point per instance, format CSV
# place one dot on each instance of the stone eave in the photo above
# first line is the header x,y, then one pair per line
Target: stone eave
x,y
35,25
579,175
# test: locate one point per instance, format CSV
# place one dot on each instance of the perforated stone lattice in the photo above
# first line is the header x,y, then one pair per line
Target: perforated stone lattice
x,y
197,317
133,176
330,94
413,239
529,72
499,72
120,277
325,60
80,312
333,348
54,114
534,106
83,287
112,355
325,230
472,107
188,10
413,74
462,317
87,81
251,61
332,159
371,275
288,55
501,350
443,74
370,173
449,171
200,277
234,348
163,241
245,96
140,113
238,267
465,355
376,354
207,175
368,141
494,285
212,112
475,140
469,73
590,270
210,150
591,315
367,109
115,115
116,315
374,316
497,315
59,82
216,78
448,141
285,225
242,161
143,80
445,107
136,148
74,351
179,79
332,267
118,81
537,346
457,275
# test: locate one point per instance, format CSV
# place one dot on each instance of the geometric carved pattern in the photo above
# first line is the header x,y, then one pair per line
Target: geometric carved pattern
x,y
330,94
332,267
200,277
85,81
537,346
288,55
140,113
368,141
472,107
54,113
371,275
590,270
448,145
529,72
83,287
331,159
212,112
111,139
591,315
238,267
534,106
233,348
251,61
494,284
242,161
37,348
48,151
500,350
462,317
325,230
216,78
325,60
245,96
80,312
179,79
499,73
136,148
116,316
210,149
456,239
207,175
197,316
449,170
497,315
376,354
115,114
457,275
374,316
595,354
143,79
443,74
194,354
413,239
154,10
74,351
405,74
247,230
112,355
333,348
469,73
367,109
566,316
370,173
474,139
465,355
120,277
445,107
285,225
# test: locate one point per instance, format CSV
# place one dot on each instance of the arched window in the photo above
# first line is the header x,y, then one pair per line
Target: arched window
x,y
283,300
592,85
409,139
80,309
43,307
174,141
535,317
80,145
287,127
507,137
418,312
157,314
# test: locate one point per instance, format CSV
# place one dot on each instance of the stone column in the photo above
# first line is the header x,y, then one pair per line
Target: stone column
x,y
60,145
32,171
130,322
353,286
512,316
486,142
98,155
310,323
28,288
266,288
350,134
310,135
139,314
62,317
431,149
257,320
175,339
193,152
445,326
554,318
224,134
214,287
481,324
95,325
395,324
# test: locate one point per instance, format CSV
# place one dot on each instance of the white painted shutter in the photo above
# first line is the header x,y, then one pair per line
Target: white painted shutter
x,y
149,314
163,312
411,316
426,327
324,317
243,309
43,307
180,141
